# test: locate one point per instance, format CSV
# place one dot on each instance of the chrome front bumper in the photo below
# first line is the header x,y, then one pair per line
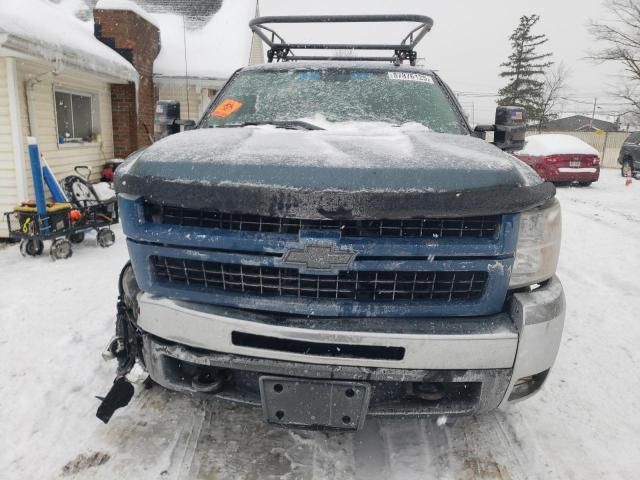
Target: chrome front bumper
x,y
495,351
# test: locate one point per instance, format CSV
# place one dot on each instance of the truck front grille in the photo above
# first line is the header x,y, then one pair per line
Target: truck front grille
x,y
470,227
362,286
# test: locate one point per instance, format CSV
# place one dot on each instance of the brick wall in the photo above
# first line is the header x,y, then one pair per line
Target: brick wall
x,y
138,41
125,119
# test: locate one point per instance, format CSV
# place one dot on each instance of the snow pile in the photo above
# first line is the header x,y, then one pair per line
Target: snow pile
x,y
54,34
556,144
127,5
215,51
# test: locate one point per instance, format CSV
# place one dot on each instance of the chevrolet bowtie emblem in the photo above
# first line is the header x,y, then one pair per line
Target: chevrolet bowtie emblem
x,y
319,258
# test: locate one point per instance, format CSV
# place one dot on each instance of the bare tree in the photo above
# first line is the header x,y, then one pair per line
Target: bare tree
x,y
621,39
631,93
555,82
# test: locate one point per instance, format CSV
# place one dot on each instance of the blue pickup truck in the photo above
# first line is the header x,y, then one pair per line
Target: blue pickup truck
x,y
334,241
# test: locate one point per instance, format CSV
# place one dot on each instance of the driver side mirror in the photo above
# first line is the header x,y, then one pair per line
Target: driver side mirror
x,y
509,130
186,123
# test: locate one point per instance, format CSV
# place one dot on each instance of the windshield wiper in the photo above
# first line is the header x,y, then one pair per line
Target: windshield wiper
x,y
289,124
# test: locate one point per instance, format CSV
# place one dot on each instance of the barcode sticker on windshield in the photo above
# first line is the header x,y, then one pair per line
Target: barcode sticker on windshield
x,y
410,77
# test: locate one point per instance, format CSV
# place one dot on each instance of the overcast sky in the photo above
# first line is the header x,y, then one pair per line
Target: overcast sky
x,y
470,40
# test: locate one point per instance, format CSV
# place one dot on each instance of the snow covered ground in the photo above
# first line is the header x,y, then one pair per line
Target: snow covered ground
x,y
56,318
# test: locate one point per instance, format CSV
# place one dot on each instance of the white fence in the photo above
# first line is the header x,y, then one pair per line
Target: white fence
x,y
607,143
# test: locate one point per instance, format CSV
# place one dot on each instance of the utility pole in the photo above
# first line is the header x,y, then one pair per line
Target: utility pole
x,y
593,115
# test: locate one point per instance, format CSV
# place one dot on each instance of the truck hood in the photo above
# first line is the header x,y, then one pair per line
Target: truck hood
x,y
341,172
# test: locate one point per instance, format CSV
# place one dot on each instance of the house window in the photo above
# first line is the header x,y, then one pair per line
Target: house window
x,y
75,117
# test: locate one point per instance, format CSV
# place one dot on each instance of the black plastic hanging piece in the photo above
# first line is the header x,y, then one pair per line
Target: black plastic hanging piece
x,y
123,347
119,396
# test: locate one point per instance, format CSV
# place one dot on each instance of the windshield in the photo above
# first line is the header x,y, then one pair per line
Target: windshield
x,y
337,95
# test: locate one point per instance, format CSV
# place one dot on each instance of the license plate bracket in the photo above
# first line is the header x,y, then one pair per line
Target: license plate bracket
x,y
314,404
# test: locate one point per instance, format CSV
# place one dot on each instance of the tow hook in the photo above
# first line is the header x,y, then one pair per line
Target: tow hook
x,y
430,391
208,381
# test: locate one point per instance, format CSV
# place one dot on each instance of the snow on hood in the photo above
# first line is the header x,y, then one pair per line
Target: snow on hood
x,y
215,51
55,34
350,156
556,144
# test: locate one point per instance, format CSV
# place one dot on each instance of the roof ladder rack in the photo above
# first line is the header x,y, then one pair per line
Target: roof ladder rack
x,y
282,51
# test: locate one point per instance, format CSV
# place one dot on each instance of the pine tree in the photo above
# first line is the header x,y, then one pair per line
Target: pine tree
x,y
525,69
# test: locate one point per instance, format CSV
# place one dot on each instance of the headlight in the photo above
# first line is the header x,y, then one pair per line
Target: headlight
x,y
538,246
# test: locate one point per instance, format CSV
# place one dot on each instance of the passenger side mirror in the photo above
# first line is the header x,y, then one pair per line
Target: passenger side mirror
x,y
167,113
167,120
510,128
481,131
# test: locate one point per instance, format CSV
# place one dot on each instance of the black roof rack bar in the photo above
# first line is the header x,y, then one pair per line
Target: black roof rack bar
x,y
280,50
343,58
345,46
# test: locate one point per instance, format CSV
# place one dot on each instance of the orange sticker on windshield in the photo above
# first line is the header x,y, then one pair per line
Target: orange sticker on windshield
x,y
226,108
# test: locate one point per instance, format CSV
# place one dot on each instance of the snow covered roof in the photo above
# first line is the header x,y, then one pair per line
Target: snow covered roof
x,y
126,5
556,144
195,12
214,51
218,38
45,30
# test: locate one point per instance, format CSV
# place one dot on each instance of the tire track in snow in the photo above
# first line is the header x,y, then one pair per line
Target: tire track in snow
x,y
371,455
404,444
485,447
478,446
598,206
192,434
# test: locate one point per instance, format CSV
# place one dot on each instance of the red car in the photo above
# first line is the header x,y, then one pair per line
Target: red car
x,y
561,159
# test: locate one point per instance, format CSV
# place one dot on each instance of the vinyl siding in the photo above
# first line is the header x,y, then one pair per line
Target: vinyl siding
x,y
8,193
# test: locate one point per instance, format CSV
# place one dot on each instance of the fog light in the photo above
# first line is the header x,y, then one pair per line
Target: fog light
x,y
209,381
526,386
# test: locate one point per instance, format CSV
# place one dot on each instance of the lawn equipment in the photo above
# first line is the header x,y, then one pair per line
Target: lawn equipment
x,y
78,207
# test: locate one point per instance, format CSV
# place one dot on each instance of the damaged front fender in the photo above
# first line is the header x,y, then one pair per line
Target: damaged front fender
x,y
125,347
